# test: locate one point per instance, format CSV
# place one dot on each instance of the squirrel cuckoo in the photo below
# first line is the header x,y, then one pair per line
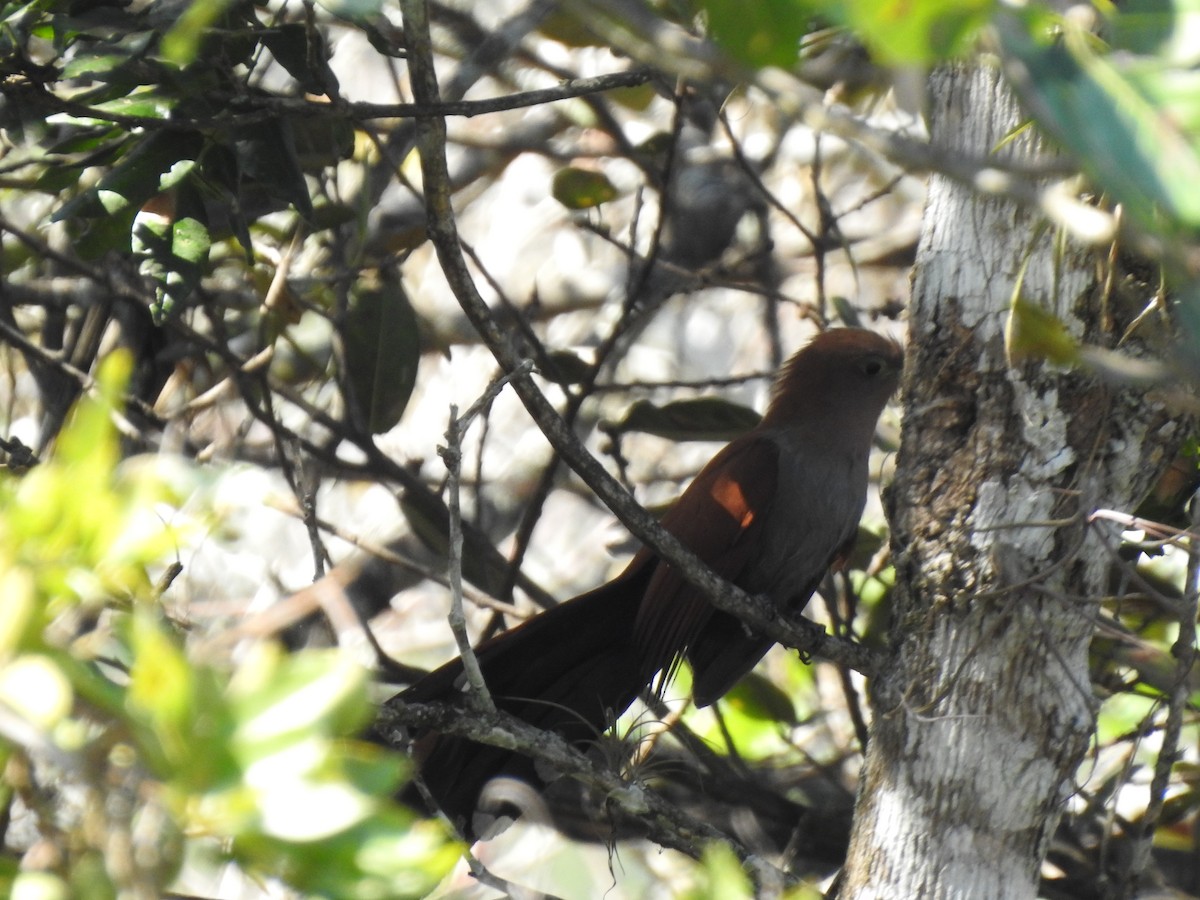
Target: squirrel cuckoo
x,y
772,512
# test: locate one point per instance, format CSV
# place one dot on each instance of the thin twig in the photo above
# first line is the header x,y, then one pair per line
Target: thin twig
x,y
247,110
451,454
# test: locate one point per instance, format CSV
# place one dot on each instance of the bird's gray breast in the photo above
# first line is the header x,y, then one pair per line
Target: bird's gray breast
x,y
818,502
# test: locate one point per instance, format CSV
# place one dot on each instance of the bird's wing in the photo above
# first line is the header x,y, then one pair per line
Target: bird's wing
x,y
719,518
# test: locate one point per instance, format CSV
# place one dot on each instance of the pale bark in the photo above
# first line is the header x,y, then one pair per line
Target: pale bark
x,y
985,715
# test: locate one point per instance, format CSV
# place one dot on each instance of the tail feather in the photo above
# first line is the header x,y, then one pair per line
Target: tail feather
x,y
569,670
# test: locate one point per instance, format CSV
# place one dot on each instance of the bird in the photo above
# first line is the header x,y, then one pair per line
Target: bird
x,y
772,512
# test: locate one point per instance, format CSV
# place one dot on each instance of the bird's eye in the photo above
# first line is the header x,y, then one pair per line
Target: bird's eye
x,y
872,366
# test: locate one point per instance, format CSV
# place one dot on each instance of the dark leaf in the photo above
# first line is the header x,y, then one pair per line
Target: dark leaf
x,y
427,516
266,154
701,419
758,698
564,367
302,52
382,349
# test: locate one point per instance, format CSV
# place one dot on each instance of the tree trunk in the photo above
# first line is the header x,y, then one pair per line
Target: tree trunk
x,y
987,710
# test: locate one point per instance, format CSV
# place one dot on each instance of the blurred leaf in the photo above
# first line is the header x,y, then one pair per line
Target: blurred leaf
x,y
757,697
33,687
354,10
94,64
331,215
564,367
1168,29
866,545
322,140
1036,333
279,698
1122,369
35,885
699,419
898,32
483,565
720,877
84,528
763,33
182,42
20,619
149,103
638,97
382,349
374,770
578,188
304,61
1154,666
1123,119
161,689
913,32
846,312
263,765
1123,714
266,153
569,28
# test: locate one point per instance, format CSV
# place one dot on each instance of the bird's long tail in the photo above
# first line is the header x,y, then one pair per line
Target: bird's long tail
x,y
570,670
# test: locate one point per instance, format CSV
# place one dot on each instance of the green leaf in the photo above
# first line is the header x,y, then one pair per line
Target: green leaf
x,y
578,188
913,32
161,687
173,254
382,349
279,699
147,104
699,419
90,64
190,241
569,28
182,42
1034,332
1165,29
36,886
153,165
20,614
34,688
1125,120
721,876
102,235
483,565
761,33
321,140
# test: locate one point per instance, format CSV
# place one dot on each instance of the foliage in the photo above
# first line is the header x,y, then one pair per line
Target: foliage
x,y
193,182
172,755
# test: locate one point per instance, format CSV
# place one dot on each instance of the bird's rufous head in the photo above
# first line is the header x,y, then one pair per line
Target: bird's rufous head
x,y
845,375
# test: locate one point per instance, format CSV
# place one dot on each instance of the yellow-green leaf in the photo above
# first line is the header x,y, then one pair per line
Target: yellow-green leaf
x,y
578,188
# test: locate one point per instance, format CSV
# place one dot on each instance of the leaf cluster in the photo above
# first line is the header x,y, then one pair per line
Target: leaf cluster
x,y
137,754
